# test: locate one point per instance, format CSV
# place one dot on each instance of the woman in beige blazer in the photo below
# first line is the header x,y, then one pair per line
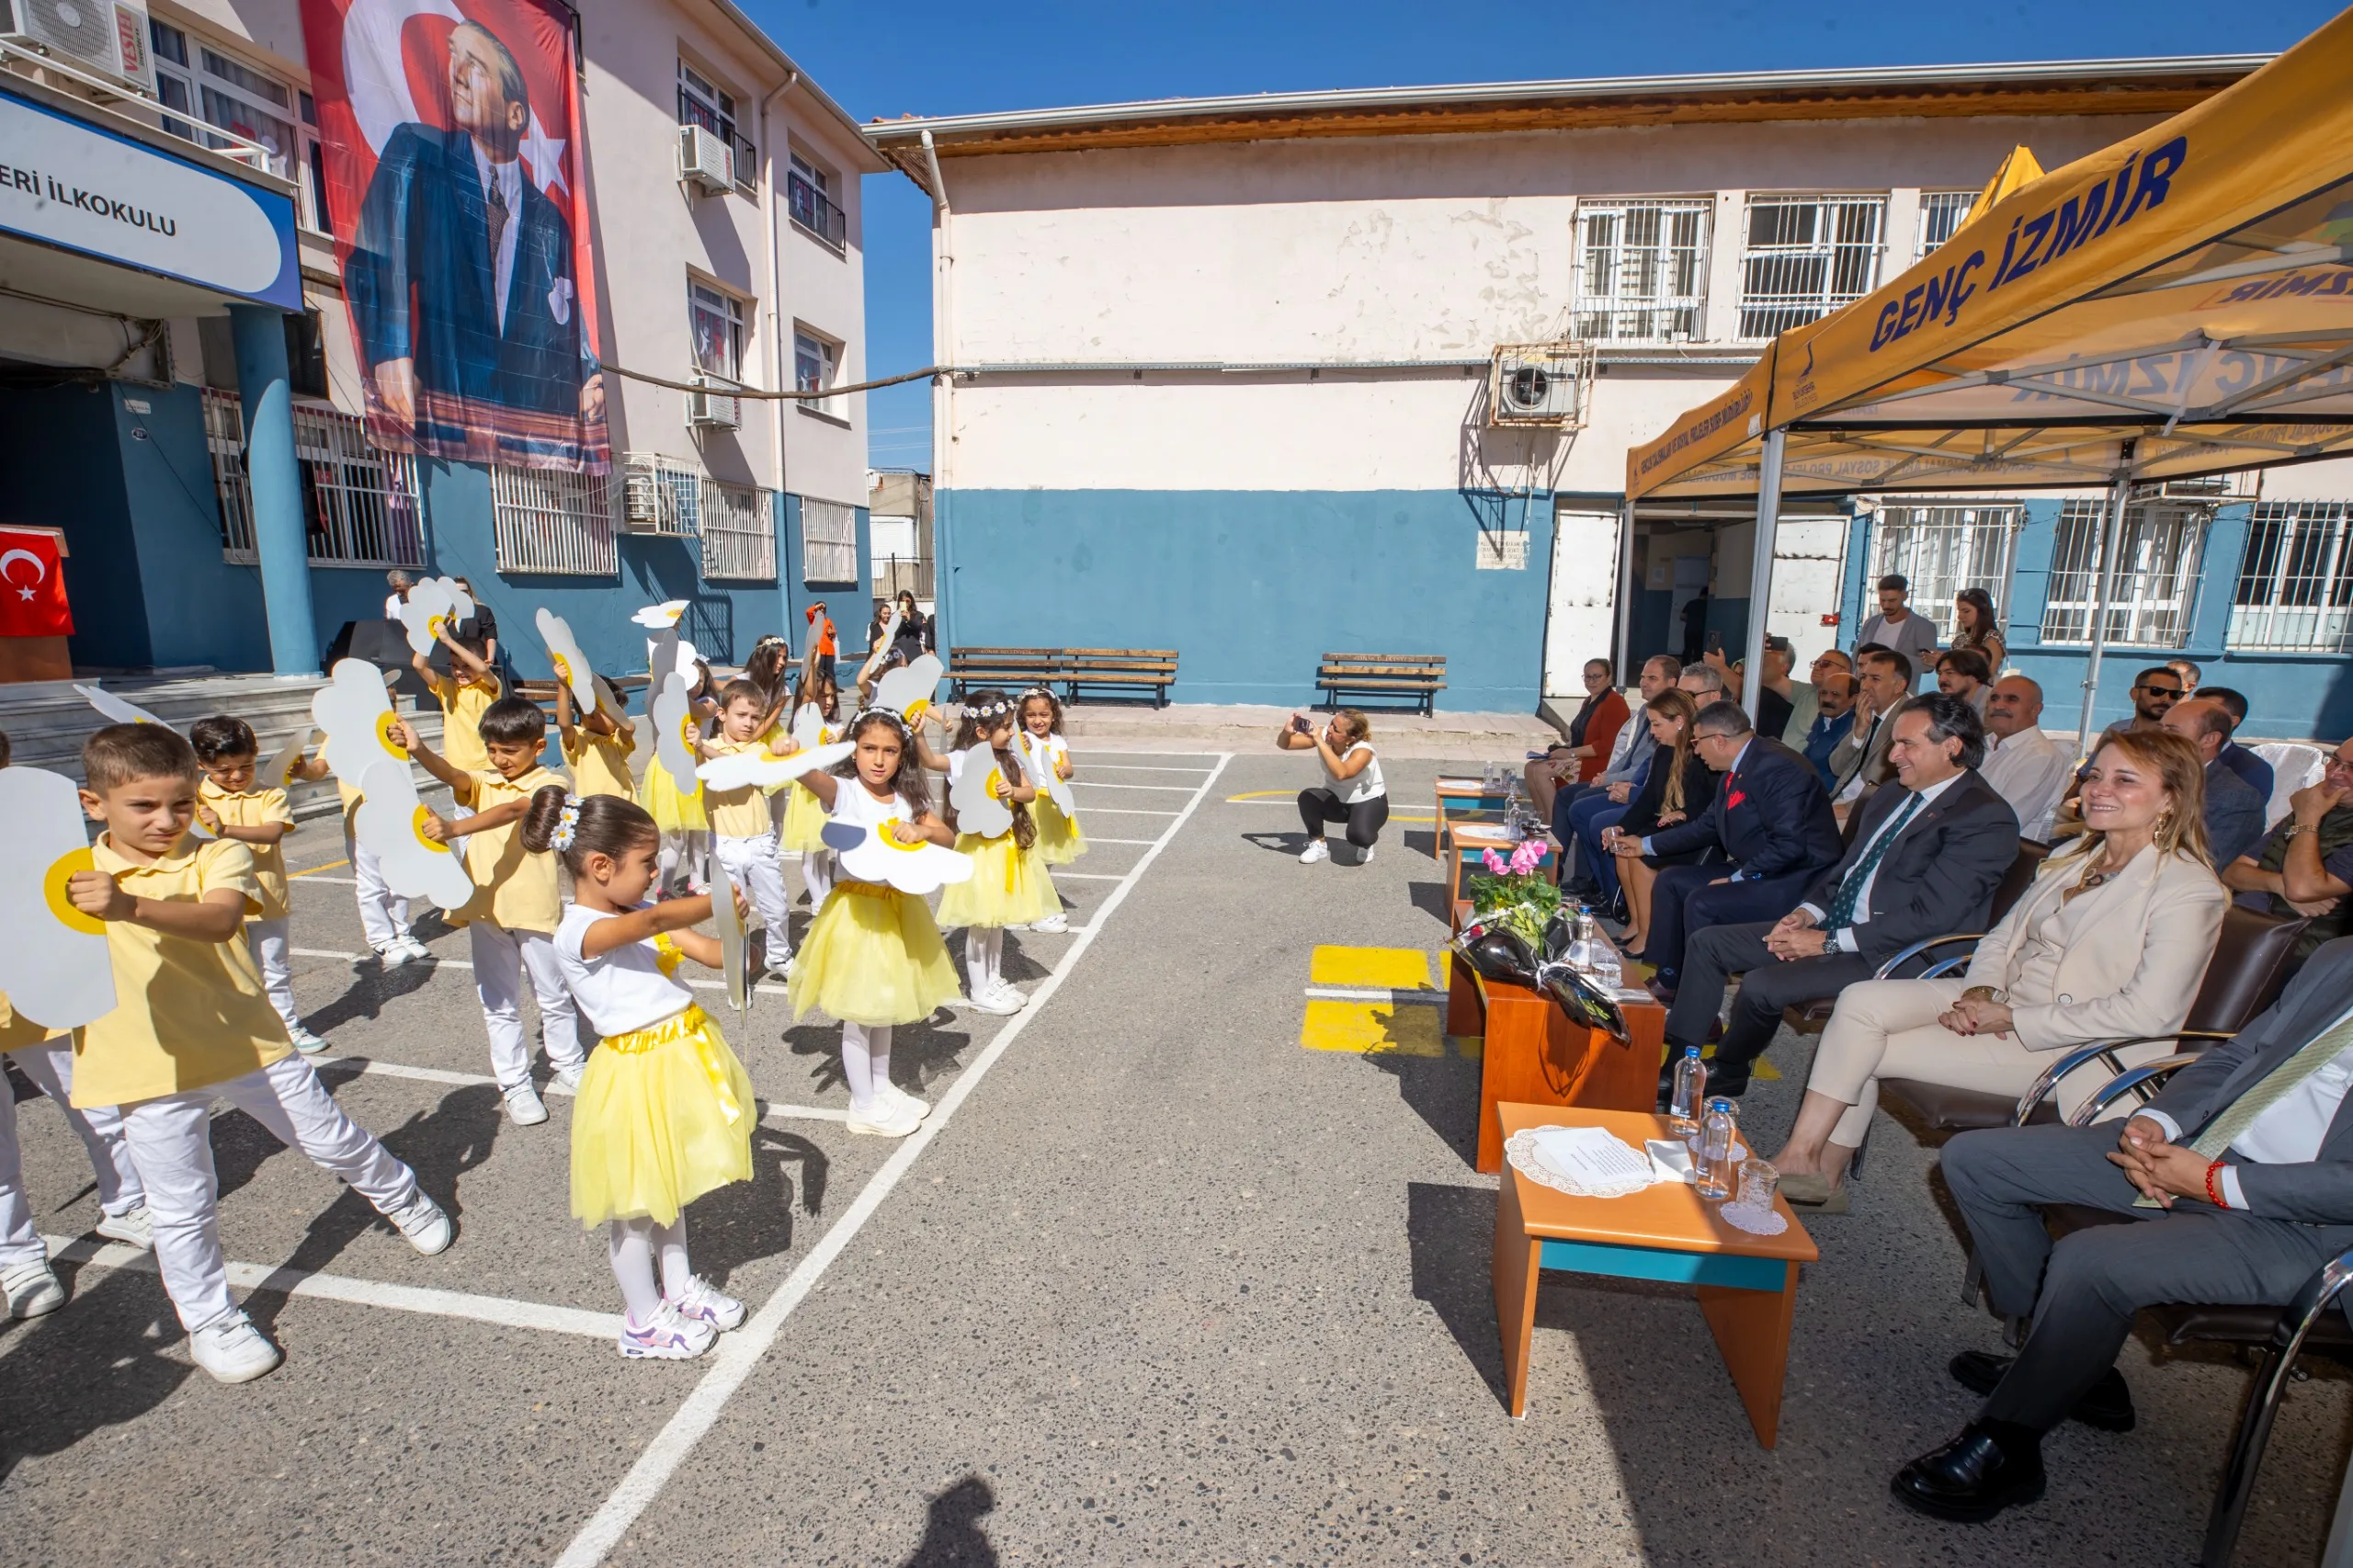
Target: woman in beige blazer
x,y
2110,942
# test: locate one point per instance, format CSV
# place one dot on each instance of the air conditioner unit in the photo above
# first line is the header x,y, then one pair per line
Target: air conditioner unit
x,y
1540,383
106,38
660,495
710,407
705,161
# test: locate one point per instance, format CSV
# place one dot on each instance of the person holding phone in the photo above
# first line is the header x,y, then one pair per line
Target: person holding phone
x,y
1352,792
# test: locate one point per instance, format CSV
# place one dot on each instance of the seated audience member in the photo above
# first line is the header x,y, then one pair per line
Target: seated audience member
x,y
2234,811
1830,659
2154,690
1859,764
1769,819
2189,672
1593,736
1964,673
1834,715
2306,866
2110,942
2025,767
2255,1126
1927,857
1679,788
1786,707
1597,810
2236,757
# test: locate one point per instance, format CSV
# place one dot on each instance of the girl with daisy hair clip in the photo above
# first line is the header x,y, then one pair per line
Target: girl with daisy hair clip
x,y
1046,756
989,801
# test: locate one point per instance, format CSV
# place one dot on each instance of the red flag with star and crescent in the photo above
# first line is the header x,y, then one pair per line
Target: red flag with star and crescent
x,y
32,585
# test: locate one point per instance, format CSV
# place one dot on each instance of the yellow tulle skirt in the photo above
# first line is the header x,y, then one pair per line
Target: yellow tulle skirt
x,y
804,820
1060,838
672,811
873,957
1008,887
663,1115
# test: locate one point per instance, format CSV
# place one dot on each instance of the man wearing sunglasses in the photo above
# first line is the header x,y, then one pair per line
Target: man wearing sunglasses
x,y
2305,865
2154,691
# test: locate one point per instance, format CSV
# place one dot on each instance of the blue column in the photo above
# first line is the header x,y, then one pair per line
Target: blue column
x,y
277,479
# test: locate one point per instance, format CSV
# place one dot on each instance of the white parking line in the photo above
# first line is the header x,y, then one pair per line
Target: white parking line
x,y
1138,842
1376,993
372,1067
1123,751
739,1352
1098,784
1133,768
365,1292
324,878
1062,875
1129,812
765,988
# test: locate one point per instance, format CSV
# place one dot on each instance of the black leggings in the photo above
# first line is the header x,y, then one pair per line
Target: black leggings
x,y
1317,807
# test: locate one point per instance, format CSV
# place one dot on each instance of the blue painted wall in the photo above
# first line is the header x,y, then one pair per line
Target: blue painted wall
x,y
1251,587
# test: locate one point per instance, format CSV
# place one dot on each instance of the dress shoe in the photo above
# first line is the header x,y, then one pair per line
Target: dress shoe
x,y
2107,1405
1993,1465
1659,986
1730,1083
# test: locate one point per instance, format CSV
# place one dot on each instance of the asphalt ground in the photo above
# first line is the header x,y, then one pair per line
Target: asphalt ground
x,y
1154,1285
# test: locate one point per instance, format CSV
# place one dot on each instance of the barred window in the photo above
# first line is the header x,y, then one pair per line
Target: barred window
x,y
828,540
1940,215
702,102
1805,257
2152,586
555,523
2295,588
738,538
1944,547
360,504
1641,270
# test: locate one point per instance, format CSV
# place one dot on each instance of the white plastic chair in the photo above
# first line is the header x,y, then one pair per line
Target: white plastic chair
x,y
2294,765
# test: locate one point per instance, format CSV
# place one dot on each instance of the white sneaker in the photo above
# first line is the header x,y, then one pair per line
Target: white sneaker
x,y
393,955
701,1302
416,952
1053,924
921,1107
994,1001
425,1224
781,970
233,1350
136,1228
1364,856
1012,995
669,1337
32,1288
304,1040
568,1078
1316,852
886,1117
524,1107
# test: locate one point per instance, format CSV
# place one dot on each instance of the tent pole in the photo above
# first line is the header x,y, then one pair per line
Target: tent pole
x,y
1623,648
1760,567
2111,525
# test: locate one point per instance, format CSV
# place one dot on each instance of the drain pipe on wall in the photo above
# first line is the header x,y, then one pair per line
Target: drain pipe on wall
x,y
779,363
943,396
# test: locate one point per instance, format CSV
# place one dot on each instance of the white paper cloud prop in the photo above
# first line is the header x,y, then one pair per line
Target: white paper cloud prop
x,y
666,613
875,855
907,691
571,664
1039,756
674,725
391,823
764,771
116,712
729,920
277,773
973,794
357,714
53,964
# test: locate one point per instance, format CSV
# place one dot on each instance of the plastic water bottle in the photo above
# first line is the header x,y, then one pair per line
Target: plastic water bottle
x,y
1607,970
1690,1084
1717,1170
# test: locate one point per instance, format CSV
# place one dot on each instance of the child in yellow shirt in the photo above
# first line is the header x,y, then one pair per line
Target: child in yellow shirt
x,y
597,749
194,1025
229,806
465,694
743,827
517,904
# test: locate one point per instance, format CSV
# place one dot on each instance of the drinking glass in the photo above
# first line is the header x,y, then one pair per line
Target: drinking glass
x,y
1757,1181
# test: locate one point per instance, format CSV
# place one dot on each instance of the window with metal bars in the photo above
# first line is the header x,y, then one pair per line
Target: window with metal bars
x,y
1940,215
1641,270
2295,588
2152,586
738,537
1943,547
1806,256
360,504
828,542
555,523
704,103
809,199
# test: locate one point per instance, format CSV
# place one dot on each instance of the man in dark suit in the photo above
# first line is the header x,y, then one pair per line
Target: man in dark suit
x,y
2241,1176
461,276
2252,769
2234,813
1770,819
1925,859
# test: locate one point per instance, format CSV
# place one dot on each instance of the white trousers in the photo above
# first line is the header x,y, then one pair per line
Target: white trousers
x,y
817,874
19,1243
50,1067
268,940
171,1142
754,865
502,959
383,917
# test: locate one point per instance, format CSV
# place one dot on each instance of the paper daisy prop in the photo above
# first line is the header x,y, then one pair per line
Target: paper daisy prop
x,y
391,822
1039,757
907,691
672,720
766,770
116,712
433,606
977,793
277,773
890,626
357,714
666,613
571,664
875,855
54,964
731,958
809,729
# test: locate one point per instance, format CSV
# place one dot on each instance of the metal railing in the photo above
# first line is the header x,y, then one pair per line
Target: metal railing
x,y
738,533
556,523
359,503
1641,271
1943,547
1941,213
1805,257
828,540
2295,588
2151,586
896,575
810,208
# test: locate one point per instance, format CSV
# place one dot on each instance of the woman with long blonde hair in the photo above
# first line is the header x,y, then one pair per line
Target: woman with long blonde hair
x,y
1677,788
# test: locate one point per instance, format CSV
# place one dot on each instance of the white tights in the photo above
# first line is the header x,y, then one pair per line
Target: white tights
x,y
634,1243
983,957
866,1062
817,875
688,850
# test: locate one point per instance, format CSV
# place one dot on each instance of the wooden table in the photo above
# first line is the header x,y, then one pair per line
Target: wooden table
x,y
1465,835
1747,1285
1534,1053
1461,794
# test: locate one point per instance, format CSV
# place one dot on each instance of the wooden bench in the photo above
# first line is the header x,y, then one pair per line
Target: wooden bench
x,y
1420,677
1152,669
1012,668
543,691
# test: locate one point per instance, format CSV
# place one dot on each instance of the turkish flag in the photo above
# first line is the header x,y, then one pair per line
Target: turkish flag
x,y
32,585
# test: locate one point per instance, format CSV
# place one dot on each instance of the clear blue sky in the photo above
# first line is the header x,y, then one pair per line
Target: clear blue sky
x,y
926,57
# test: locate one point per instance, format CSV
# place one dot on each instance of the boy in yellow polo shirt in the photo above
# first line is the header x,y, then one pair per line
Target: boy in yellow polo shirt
x,y
465,694
194,1025
743,828
229,806
597,749
518,903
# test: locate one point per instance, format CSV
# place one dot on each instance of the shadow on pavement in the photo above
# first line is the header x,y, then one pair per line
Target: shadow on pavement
x,y
1443,1092
92,1364
1450,1232
952,1536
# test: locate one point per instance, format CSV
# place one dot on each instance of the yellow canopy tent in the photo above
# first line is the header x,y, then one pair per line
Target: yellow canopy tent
x,y
2178,304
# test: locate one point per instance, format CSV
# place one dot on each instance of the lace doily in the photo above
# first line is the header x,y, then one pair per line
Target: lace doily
x,y
1520,1151
1755,1221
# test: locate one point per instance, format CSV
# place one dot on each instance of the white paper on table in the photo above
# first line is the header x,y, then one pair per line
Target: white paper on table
x,y
1592,1156
1671,1160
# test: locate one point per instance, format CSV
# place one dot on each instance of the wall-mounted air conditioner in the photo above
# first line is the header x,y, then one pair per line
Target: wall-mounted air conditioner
x,y
104,38
705,161
1540,383
711,408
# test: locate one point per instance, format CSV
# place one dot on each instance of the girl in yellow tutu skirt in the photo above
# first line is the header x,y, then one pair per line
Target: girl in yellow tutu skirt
x,y
816,712
1009,884
1060,839
873,957
665,1111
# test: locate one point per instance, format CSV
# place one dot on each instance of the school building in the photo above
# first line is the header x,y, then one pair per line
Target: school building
x,y
1266,378
163,342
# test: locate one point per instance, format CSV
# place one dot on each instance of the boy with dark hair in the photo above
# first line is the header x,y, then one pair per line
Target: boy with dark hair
x,y
466,694
194,1026
230,806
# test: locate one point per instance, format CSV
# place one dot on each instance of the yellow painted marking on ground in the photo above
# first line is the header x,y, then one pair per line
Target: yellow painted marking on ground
x,y
1372,1029
1293,794
1469,1047
1397,969
329,865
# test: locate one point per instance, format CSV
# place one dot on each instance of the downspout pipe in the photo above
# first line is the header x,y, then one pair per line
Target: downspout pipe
x,y
769,217
943,397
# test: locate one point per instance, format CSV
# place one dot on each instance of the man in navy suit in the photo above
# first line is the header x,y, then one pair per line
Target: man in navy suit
x,y
460,277
1771,819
